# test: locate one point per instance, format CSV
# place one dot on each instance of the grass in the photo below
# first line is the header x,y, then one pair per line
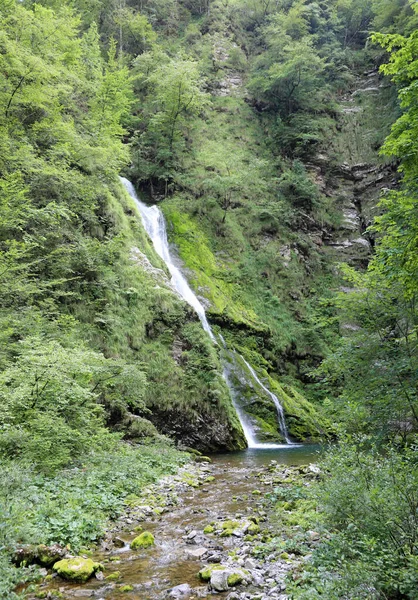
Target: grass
x,y
74,507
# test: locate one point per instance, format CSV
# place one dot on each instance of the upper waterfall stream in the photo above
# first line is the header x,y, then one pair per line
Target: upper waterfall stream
x,y
154,224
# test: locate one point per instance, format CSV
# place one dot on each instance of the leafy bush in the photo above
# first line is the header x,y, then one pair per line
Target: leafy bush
x,y
370,506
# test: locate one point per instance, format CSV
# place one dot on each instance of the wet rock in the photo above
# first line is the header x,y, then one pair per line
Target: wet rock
x,y
77,569
180,590
118,542
214,557
197,553
40,554
83,593
99,575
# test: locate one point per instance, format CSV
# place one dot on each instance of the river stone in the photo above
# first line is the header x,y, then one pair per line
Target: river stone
x,y
180,590
250,564
145,540
197,553
219,580
76,569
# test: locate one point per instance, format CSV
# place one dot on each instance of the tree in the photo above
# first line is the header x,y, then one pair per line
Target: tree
x,y
173,95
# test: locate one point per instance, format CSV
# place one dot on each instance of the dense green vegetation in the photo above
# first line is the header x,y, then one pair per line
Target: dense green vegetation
x,y
244,120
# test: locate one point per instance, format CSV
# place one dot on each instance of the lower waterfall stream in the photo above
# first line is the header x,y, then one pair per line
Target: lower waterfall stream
x,y
188,513
154,224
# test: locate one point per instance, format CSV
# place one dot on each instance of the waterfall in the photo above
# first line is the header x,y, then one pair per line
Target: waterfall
x,y
154,224
276,401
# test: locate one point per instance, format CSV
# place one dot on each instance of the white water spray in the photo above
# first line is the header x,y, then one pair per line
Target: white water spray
x,y
154,224
276,401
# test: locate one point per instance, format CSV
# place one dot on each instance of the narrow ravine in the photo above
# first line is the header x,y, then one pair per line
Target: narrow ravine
x,y
209,514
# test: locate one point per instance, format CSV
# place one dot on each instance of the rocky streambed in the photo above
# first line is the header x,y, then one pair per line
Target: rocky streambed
x,y
229,527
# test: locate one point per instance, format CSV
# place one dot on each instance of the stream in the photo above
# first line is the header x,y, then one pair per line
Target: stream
x,y
210,515
230,487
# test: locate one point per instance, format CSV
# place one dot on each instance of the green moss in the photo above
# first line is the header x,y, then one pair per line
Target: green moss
x,y
227,533
253,529
77,569
113,576
235,578
208,273
126,588
145,540
230,525
208,529
206,572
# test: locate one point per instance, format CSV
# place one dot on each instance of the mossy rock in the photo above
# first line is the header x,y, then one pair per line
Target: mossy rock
x,y
202,459
77,569
227,533
253,529
206,573
230,525
126,588
209,479
235,578
208,529
113,576
145,540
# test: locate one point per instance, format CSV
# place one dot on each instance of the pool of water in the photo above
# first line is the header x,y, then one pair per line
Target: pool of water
x,y
287,454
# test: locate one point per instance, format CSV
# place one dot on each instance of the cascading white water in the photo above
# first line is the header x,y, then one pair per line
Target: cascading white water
x,y
276,401
154,224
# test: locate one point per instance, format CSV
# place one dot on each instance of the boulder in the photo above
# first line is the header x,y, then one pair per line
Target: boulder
x,y
219,580
77,569
145,540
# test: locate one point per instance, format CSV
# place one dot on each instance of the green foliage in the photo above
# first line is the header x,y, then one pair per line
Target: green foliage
x,y
73,506
369,504
172,93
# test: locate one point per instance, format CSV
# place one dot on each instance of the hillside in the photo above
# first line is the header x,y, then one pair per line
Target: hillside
x,y
278,140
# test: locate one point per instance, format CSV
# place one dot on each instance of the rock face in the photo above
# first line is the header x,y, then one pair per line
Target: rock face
x,y
145,540
77,569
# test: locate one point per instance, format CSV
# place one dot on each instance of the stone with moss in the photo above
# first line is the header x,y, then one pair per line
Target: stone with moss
x,y
202,459
230,524
206,573
208,529
113,576
253,529
145,540
227,533
77,569
126,588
